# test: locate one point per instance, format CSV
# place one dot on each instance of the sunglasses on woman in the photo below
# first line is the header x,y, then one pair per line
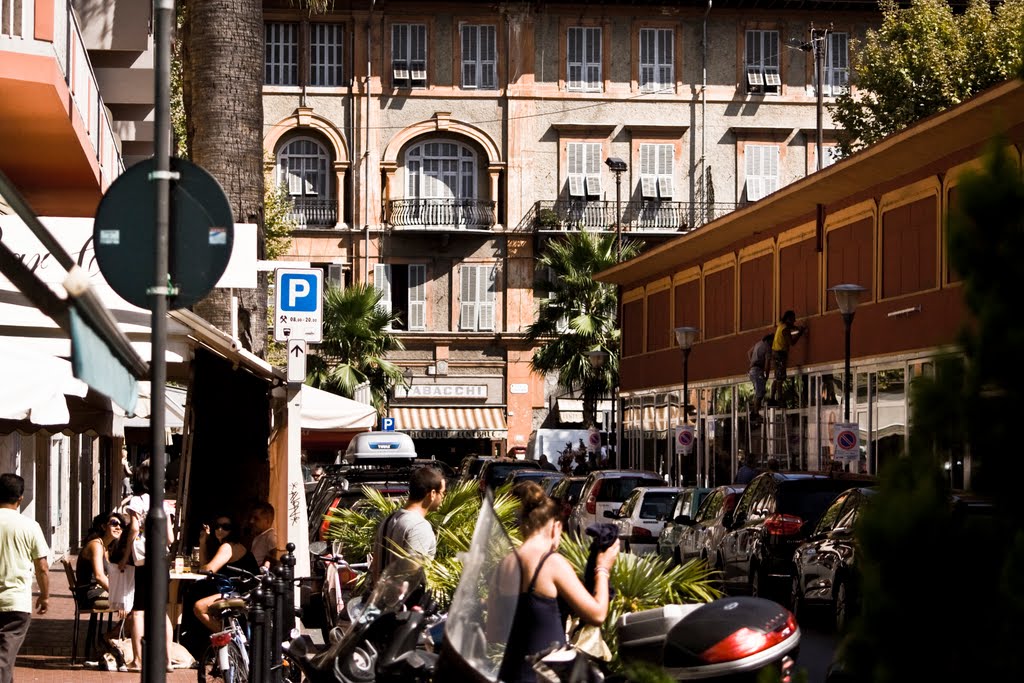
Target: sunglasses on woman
x,y
226,526
115,523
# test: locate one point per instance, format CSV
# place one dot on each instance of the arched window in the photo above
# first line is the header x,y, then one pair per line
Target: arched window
x,y
440,170
302,167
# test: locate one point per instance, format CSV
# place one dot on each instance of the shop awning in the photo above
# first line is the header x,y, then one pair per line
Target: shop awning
x,y
570,410
450,422
322,410
174,416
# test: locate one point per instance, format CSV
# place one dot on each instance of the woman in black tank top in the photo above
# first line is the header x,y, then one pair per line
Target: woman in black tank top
x,y
545,577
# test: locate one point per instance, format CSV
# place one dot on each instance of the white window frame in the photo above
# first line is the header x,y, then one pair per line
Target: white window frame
x,y
281,53
761,62
326,54
657,59
430,163
416,295
583,59
837,64
479,56
583,163
657,171
303,166
762,170
477,293
409,55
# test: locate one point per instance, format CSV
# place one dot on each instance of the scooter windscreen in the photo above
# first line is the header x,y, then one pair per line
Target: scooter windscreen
x,y
484,604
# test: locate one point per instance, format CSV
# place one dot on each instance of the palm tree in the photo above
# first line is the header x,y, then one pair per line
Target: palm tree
x,y
580,316
357,338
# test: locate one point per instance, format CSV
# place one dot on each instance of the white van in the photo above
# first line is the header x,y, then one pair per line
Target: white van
x,y
380,447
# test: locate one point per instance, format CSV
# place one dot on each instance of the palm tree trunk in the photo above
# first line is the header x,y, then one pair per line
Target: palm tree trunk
x,y
222,54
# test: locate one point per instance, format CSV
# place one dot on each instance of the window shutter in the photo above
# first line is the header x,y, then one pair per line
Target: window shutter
x,y
666,61
400,52
336,275
574,162
418,53
382,282
648,172
838,64
488,57
753,52
469,56
574,58
467,297
486,282
770,168
665,171
417,297
593,168
755,188
647,64
593,51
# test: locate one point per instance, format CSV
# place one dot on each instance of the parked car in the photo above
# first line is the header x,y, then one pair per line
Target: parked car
x,y
700,535
566,493
825,569
775,514
495,471
469,468
543,477
641,518
687,502
605,491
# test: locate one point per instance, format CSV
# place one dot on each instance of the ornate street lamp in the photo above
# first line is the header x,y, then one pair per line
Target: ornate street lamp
x,y
597,359
618,167
685,337
847,297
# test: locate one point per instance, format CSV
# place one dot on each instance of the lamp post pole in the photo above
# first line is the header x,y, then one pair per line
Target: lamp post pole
x,y
685,337
618,216
846,299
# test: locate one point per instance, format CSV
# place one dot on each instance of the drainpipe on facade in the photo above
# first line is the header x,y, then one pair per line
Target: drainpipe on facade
x,y
703,112
366,148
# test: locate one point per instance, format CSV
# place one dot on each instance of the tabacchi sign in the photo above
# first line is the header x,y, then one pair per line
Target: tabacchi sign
x,y
442,391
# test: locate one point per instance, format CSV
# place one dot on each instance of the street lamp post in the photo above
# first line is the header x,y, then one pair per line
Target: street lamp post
x,y
618,167
685,337
597,359
847,297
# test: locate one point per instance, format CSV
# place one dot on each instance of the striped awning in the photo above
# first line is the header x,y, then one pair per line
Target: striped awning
x,y
570,410
450,422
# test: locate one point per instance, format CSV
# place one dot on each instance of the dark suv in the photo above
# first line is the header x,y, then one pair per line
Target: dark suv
x,y
775,514
494,472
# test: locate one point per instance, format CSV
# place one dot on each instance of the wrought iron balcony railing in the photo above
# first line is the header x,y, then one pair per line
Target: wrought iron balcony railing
x,y
315,213
441,214
643,216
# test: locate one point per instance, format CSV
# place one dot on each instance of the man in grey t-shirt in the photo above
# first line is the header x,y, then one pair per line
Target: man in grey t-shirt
x,y
408,528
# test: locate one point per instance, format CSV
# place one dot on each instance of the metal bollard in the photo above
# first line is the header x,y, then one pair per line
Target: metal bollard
x,y
281,627
288,576
266,653
259,636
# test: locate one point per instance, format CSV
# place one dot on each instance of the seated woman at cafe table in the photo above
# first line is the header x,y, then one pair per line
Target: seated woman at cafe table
x,y
218,550
92,571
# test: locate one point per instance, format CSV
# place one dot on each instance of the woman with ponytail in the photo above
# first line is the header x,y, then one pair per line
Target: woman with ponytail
x,y
545,577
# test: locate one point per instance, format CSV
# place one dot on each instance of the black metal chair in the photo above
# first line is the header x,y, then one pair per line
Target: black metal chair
x,y
95,612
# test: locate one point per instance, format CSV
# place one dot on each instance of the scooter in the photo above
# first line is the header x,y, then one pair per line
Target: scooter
x,y
386,642
730,639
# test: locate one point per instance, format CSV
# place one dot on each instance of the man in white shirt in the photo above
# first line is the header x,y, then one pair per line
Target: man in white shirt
x,y
264,542
408,528
22,549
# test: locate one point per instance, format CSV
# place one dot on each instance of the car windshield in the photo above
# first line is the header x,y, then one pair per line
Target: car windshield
x,y
809,498
499,471
617,489
656,505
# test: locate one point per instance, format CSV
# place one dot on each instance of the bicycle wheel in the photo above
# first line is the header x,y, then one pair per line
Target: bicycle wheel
x,y
210,671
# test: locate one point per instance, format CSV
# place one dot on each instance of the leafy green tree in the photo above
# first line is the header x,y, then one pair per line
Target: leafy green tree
x,y
923,59
943,591
356,340
580,316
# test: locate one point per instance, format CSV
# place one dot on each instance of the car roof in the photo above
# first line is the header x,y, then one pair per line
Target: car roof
x,y
625,473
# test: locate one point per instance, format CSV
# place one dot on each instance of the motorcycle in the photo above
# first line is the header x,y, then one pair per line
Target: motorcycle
x,y
385,643
730,639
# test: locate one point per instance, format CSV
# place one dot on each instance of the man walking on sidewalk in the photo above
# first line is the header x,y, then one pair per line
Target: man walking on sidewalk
x,y
22,546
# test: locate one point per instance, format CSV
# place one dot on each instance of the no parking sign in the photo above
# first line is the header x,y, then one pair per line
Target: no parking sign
x,y
684,440
846,441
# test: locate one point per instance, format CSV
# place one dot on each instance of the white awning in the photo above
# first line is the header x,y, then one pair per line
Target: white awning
x,y
174,415
35,385
322,410
570,410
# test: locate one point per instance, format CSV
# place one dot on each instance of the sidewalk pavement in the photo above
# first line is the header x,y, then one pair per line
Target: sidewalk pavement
x,y
45,657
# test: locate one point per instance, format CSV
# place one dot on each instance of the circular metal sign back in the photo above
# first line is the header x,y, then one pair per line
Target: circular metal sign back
x,y
201,234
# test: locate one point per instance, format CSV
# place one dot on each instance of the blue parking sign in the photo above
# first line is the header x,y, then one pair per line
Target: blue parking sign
x,y
299,292
387,424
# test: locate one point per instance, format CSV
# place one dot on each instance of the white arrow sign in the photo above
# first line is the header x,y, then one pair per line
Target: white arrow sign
x,y
297,361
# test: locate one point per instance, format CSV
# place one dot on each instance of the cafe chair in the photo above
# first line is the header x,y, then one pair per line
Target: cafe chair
x,y
96,613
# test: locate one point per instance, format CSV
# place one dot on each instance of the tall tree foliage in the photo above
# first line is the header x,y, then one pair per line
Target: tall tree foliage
x,y
580,316
943,591
357,338
923,59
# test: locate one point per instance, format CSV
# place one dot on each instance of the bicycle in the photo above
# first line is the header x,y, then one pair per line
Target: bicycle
x,y
226,660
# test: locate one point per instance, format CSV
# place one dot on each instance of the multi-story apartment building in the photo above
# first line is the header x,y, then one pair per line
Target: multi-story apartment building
x,y
433,148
